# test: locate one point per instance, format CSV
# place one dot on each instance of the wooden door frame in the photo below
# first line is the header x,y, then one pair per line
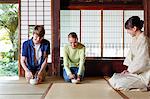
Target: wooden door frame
x,y
146,4
55,24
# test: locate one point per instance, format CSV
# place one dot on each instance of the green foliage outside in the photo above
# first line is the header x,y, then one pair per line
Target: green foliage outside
x,y
9,23
9,68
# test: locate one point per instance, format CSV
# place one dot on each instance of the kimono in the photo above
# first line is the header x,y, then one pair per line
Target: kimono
x,y
138,62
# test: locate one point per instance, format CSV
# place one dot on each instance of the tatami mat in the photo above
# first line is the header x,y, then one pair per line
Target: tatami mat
x,y
132,94
56,88
81,91
20,89
20,96
20,80
92,80
136,94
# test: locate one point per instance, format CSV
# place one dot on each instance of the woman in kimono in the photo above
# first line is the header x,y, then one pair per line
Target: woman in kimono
x,y
137,75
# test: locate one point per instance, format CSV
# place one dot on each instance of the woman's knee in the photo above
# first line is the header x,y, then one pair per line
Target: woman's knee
x,y
65,76
67,79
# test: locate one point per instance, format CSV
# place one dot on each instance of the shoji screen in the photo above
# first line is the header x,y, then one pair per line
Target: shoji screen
x,y
91,32
88,24
112,33
127,37
69,22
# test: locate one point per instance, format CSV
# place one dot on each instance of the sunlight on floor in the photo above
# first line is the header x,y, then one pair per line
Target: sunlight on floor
x,y
9,77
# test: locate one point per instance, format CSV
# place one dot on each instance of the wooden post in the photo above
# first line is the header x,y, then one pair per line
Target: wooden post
x,y
146,4
55,12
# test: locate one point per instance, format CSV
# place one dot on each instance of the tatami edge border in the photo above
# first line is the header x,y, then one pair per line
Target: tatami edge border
x,y
45,93
119,92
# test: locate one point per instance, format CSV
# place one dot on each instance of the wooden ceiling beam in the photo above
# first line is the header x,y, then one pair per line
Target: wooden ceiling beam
x,y
103,7
8,1
101,4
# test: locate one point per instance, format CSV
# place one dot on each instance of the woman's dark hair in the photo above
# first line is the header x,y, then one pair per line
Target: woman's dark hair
x,y
134,21
73,35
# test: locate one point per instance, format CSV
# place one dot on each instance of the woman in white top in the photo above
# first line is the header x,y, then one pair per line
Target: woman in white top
x,y
137,75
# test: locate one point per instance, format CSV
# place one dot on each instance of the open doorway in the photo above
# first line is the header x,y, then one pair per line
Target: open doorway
x,y
9,41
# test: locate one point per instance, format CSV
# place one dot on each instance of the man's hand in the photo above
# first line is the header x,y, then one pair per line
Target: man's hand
x,y
39,77
28,75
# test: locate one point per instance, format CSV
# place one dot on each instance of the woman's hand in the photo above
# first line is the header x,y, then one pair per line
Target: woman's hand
x,y
79,78
124,72
71,76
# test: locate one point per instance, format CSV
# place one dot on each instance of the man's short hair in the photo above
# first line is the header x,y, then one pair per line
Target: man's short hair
x,y
39,30
73,35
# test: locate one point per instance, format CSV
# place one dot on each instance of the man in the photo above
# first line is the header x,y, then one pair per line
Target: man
x,y
35,54
74,58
